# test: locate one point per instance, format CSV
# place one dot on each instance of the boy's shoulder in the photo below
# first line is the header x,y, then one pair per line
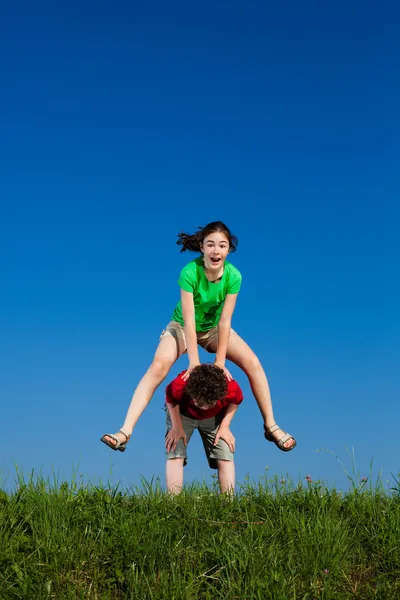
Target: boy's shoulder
x,y
234,392
176,387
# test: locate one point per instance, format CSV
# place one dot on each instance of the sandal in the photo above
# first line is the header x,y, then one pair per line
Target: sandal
x,y
121,446
268,431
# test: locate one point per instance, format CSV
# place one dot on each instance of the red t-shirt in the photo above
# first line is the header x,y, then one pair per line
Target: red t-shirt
x,y
175,393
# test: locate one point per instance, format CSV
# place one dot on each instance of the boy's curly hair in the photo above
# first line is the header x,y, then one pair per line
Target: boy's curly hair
x,y
207,384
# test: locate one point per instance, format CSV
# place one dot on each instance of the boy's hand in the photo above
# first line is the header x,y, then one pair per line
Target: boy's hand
x,y
224,433
173,436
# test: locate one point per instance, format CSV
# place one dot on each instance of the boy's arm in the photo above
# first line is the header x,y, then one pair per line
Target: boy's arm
x,y
229,414
176,432
224,433
224,330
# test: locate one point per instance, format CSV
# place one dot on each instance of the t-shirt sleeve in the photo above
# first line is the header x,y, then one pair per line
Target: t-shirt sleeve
x,y
235,281
235,394
174,390
187,278
169,395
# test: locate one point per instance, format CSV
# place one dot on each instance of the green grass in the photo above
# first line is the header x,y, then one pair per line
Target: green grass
x,y
273,541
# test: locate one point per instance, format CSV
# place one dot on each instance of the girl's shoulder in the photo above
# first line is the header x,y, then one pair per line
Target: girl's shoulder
x,y
232,270
193,265
191,273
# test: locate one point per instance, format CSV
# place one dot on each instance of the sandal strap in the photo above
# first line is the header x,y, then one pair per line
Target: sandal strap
x,y
285,438
112,436
271,429
108,443
127,435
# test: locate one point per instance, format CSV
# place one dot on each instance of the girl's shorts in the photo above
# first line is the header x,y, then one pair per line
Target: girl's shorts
x,y
208,429
204,338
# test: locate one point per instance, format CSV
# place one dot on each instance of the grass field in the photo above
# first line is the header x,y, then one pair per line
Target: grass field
x,y
274,540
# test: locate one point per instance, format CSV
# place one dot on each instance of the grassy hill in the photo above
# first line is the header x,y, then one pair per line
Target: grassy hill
x,y
275,541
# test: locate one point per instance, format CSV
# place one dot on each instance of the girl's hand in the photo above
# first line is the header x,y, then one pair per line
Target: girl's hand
x,y
191,367
173,436
223,367
224,433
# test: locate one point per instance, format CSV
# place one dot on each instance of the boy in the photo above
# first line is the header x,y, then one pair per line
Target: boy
x,y
207,401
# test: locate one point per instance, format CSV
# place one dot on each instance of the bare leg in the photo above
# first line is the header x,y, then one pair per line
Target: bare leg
x,y
168,351
226,476
174,475
243,356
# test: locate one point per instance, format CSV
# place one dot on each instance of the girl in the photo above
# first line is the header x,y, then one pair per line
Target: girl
x,y
209,289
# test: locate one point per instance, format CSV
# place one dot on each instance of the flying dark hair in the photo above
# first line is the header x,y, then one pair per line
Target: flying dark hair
x,y
207,384
192,242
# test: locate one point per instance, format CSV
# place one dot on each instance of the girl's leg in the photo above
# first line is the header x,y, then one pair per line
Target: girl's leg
x,y
174,475
243,356
226,476
168,351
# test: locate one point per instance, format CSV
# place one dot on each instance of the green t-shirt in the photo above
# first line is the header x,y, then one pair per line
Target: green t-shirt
x,y
208,297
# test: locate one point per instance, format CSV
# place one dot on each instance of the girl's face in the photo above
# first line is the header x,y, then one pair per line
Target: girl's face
x,y
215,248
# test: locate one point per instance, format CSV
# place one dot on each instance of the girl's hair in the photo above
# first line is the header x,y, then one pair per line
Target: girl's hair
x,y
207,384
192,242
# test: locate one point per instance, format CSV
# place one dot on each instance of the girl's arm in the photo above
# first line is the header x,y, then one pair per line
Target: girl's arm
x,y
224,330
189,321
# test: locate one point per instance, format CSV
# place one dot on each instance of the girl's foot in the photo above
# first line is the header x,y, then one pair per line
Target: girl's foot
x,y
116,441
284,441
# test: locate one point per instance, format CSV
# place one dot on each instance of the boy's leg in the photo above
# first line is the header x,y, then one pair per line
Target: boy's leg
x,y
220,456
174,475
226,476
169,349
177,459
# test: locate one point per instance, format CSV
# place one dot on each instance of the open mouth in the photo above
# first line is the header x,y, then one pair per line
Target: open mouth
x,y
215,261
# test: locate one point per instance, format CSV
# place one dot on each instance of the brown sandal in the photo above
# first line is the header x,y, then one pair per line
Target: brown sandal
x,y
268,431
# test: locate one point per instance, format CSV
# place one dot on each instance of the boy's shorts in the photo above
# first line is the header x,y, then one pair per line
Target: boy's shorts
x,y
204,338
208,429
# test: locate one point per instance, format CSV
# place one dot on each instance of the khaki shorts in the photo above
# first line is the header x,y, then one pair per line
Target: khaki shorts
x,y
208,429
204,338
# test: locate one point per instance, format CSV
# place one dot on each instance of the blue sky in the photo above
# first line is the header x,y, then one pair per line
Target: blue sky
x,y
122,125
